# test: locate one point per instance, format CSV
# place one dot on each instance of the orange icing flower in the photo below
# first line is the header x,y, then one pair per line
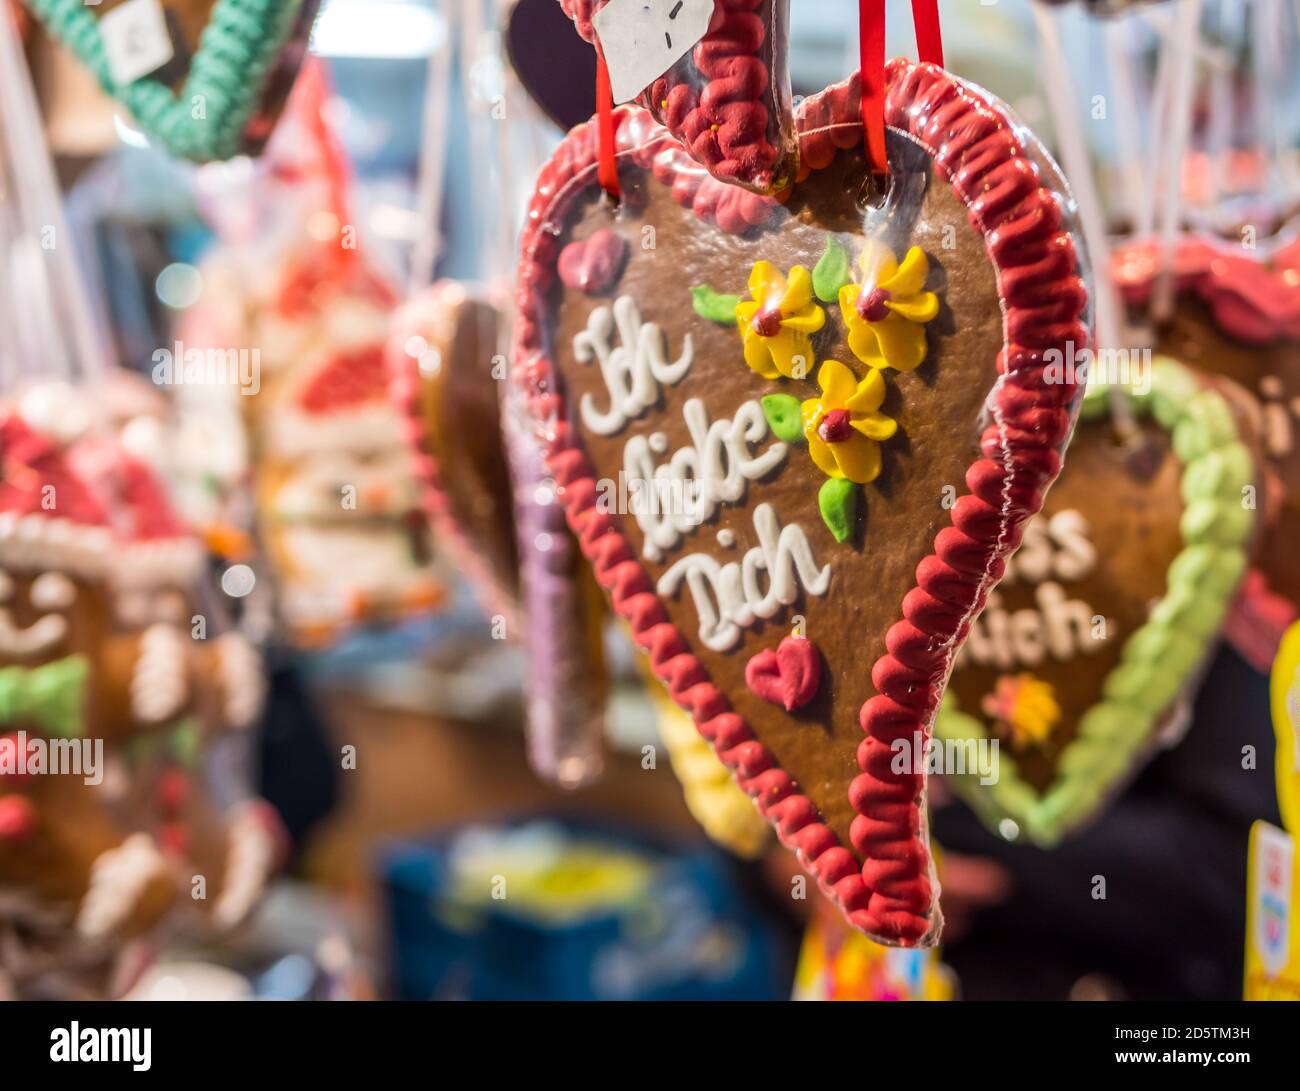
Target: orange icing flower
x,y
1025,708
886,312
778,321
844,427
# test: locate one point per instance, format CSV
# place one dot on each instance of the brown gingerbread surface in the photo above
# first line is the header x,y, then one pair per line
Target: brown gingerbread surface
x,y
938,408
459,403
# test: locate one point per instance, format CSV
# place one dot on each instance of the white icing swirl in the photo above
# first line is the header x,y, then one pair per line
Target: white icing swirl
x,y
243,684
118,878
633,371
159,682
249,862
729,597
714,469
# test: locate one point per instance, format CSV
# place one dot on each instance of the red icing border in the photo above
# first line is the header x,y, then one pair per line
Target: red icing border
x,y
974,147
725,123
1254,298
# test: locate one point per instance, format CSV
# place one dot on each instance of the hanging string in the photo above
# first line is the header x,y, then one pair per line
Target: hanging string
x,y
1127,114
607,164
871,58
1111,333
1181,42
58,335
433,159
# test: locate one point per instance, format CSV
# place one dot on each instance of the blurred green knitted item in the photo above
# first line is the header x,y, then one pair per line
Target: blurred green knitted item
x,y
209,116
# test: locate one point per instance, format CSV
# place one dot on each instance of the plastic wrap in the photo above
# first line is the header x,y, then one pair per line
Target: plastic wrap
x,y
728,99
798,439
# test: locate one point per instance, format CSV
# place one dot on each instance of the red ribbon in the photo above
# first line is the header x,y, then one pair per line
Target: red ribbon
x,y
606,164
871,45
929,39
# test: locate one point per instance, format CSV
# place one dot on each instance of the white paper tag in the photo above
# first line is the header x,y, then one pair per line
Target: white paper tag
x,y
642,39
135,40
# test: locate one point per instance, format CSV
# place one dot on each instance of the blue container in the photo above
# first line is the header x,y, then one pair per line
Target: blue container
x,y
687,934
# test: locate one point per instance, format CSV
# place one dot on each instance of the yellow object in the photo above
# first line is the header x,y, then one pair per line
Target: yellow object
x,y
1285,690
1272,898
1026,707
885,312
714,799
843,426
548,876
778,321
837,963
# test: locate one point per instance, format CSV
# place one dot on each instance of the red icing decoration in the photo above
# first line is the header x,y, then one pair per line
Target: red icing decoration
x,y
17,818
174,838
724,124
789,676
766,323
836,426
872,305
29,462
173,791
130,489
1257,621
1254,298
346,380
975,149
593,265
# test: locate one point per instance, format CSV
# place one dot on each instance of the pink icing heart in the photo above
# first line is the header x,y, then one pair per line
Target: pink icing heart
x,y
592,265
789,676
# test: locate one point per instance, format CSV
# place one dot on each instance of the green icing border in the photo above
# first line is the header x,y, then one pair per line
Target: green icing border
x,y
234,56
1161,656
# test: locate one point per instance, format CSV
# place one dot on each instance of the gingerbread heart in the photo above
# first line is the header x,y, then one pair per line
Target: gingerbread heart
x,y
440,357
827,418
206,79
1237,314
728,98
493,510
1107,612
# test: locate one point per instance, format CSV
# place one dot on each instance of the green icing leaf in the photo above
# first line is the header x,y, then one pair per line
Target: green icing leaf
x,y
714,306
832,271
782,413
187,742
838,501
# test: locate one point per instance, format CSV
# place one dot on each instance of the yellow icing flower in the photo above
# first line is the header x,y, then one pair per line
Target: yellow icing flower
x,y
844,427
886,312
1025,708
778,321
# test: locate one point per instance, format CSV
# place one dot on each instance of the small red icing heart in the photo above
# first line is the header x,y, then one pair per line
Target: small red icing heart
x,y
593,264
789,676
